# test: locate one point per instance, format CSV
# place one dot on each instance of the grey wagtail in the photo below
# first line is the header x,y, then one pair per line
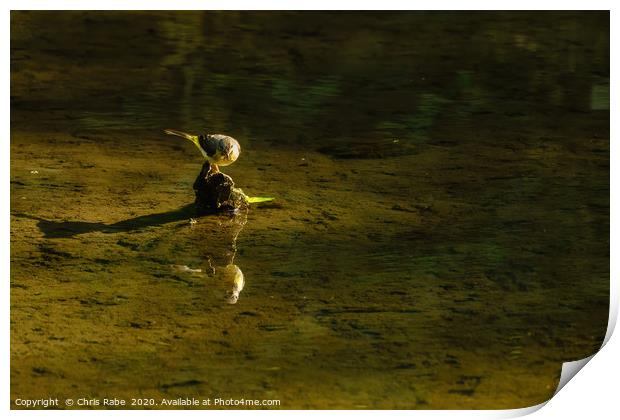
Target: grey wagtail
x,y
218,149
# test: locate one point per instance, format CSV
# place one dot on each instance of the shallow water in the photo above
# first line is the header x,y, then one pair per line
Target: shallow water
x,y
439,238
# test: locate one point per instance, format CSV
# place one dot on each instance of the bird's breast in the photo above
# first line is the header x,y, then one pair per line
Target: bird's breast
x,y
221,150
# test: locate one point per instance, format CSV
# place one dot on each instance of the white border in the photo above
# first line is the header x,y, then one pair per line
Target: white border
x,y
592,394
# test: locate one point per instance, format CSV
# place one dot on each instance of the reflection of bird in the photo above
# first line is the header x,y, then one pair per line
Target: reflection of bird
x,y
233,276
218,149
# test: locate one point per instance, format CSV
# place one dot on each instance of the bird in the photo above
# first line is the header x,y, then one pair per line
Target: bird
x,y
218,149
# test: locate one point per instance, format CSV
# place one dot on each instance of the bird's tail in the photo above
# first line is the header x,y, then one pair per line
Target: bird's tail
x,y
190,137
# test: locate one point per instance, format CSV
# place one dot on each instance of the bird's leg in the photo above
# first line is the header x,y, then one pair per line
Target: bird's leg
x,y
214,168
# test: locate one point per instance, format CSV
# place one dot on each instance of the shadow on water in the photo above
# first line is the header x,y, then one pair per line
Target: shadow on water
x,y
67,229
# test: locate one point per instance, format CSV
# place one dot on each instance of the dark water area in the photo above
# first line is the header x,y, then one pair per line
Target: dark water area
x,y
439,238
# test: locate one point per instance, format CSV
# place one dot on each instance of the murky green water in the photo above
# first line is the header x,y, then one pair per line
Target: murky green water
x,y
440,237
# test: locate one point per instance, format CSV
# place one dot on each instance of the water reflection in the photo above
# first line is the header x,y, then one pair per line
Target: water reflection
x,y
266,73
214,240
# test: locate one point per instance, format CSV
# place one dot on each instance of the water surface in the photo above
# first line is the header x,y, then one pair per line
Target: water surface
x,y
440,237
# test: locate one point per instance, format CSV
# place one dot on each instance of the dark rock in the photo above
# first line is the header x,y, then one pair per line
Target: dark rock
x,y
216,192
